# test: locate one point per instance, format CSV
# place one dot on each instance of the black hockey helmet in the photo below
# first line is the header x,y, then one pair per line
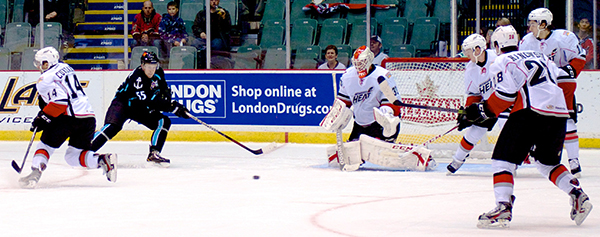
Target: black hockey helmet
x,y
149,57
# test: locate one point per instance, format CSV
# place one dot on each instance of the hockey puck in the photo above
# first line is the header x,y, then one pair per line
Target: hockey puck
x,y
256,177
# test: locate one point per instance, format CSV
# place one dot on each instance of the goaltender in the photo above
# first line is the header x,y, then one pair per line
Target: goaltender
x,y
376,121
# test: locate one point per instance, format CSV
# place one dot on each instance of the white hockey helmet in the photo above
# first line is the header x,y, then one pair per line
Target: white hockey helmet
x,y
48,54
473,41
362,60
541,14
505,36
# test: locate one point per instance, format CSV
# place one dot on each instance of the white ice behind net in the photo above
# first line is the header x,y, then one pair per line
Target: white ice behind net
x,y
438,83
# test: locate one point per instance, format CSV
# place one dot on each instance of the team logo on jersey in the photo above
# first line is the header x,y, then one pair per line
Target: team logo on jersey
x,y
483,70
138,83
553,54
426,91
362,96
153,85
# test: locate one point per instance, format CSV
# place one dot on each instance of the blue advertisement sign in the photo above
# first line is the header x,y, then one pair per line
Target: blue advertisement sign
x,y
246,98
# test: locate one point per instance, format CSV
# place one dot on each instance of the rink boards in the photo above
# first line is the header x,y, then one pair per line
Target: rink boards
x,y
261,106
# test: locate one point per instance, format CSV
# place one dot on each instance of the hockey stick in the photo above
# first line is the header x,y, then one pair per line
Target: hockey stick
x,y
438,136
14,163
389,93
260,151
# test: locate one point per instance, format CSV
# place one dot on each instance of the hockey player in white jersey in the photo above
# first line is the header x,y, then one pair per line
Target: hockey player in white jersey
x,y
478,87
376,120
562,47
526,80
65,113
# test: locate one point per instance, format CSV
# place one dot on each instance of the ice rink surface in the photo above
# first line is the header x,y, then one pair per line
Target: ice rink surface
x,y
209,190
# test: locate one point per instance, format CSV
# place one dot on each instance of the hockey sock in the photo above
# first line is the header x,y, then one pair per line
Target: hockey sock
x,y
471,137
503,180
572,144
563,179
81,158
106,133
41,156
159,136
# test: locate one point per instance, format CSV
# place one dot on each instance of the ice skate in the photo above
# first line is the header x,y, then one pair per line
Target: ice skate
x,y
498,217
581,205
155,159
575,167
454,166
32,179
108,163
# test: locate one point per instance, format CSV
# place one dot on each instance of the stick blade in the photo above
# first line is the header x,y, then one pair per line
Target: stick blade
x,y
16,167
268,148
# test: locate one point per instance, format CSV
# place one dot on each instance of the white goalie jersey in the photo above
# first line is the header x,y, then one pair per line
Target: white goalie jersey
x,y
59,85
364,94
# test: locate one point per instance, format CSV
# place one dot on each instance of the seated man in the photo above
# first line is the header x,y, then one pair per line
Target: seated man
x,y
144,28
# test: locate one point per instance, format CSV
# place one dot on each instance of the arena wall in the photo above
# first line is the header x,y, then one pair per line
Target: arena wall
x,y
252,106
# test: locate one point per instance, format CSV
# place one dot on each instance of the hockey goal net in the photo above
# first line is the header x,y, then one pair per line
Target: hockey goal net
x,y
437,82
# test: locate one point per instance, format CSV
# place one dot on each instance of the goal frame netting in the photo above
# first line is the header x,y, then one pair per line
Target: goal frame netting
x,y
437,82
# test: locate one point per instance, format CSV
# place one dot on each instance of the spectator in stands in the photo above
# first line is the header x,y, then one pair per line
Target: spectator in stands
x,y
331,54
54,11
376,47
220,27
145,25
584,30
172,29
503,22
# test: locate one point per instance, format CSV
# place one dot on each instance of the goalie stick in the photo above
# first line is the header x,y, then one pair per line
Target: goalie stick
x,y
14,163
260,151
389,93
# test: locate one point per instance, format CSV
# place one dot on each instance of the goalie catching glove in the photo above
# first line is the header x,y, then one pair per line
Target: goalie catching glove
x,y
384,115
41,121
179,110
476,113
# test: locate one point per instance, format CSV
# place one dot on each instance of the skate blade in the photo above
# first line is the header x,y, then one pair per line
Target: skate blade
x,y
577,175
500,224
112,174
158,164
30,184
587,206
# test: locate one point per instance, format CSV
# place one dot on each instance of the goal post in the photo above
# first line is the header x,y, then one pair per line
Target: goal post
x,y
437,82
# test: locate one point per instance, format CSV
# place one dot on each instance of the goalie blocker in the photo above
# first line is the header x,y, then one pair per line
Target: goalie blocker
x,y
384,154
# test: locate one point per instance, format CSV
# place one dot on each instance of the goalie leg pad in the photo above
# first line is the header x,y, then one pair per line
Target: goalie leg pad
x,y
389,122
338,117
351,152
395,155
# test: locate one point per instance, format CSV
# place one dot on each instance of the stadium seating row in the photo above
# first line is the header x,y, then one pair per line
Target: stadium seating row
x,y
337,31
305,57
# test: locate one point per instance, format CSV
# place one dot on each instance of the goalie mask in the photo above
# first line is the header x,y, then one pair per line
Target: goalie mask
x,y
504,36
472,42
362,60
49,55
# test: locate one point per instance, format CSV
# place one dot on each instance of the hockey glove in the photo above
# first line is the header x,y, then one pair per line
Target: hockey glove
x,y
569,70
462,119
40,122
477,113
179,110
